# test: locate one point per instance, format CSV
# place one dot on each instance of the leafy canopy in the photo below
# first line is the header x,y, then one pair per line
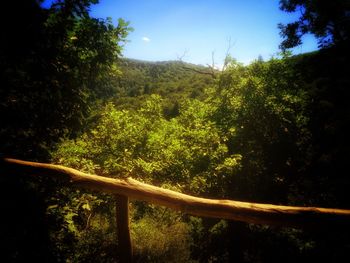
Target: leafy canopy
x,y
50,81
328,20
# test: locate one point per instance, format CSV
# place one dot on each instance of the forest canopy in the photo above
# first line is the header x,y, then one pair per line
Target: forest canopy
x,y
273,131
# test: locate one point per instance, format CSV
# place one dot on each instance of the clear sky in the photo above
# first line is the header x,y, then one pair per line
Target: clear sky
x,y
167,29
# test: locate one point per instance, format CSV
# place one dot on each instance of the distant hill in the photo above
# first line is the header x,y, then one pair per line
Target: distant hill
x,y
173,80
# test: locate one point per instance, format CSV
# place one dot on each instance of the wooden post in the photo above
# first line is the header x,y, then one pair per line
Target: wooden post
x,y
123,228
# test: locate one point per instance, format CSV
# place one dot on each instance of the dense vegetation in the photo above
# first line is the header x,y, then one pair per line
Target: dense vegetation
x,y
274,131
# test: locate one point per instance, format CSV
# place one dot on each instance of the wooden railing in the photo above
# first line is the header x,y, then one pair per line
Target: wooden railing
x,y
123,189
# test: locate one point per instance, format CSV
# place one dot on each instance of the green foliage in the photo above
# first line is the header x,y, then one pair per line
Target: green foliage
x,y
254,136
262,112
187,150
327,20
49,83
156,240
173,80
274,132
55,63
81,227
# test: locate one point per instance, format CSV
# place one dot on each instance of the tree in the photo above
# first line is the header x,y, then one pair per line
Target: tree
x,y
329,21
53,64
185,153
49,81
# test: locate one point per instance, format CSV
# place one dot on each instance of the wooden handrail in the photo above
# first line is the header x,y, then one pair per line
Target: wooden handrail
x,y
288,216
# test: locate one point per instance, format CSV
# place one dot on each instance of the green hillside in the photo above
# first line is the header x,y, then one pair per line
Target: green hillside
x,y
173,80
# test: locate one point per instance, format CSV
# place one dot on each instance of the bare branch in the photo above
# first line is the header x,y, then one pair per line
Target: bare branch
x,y
210,72
184,54
227,54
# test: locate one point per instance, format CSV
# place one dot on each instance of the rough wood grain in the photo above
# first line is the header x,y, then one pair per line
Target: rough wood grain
x,y
123,229
288,216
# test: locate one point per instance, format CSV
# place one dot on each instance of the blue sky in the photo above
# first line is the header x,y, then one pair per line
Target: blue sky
x,y
167,29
